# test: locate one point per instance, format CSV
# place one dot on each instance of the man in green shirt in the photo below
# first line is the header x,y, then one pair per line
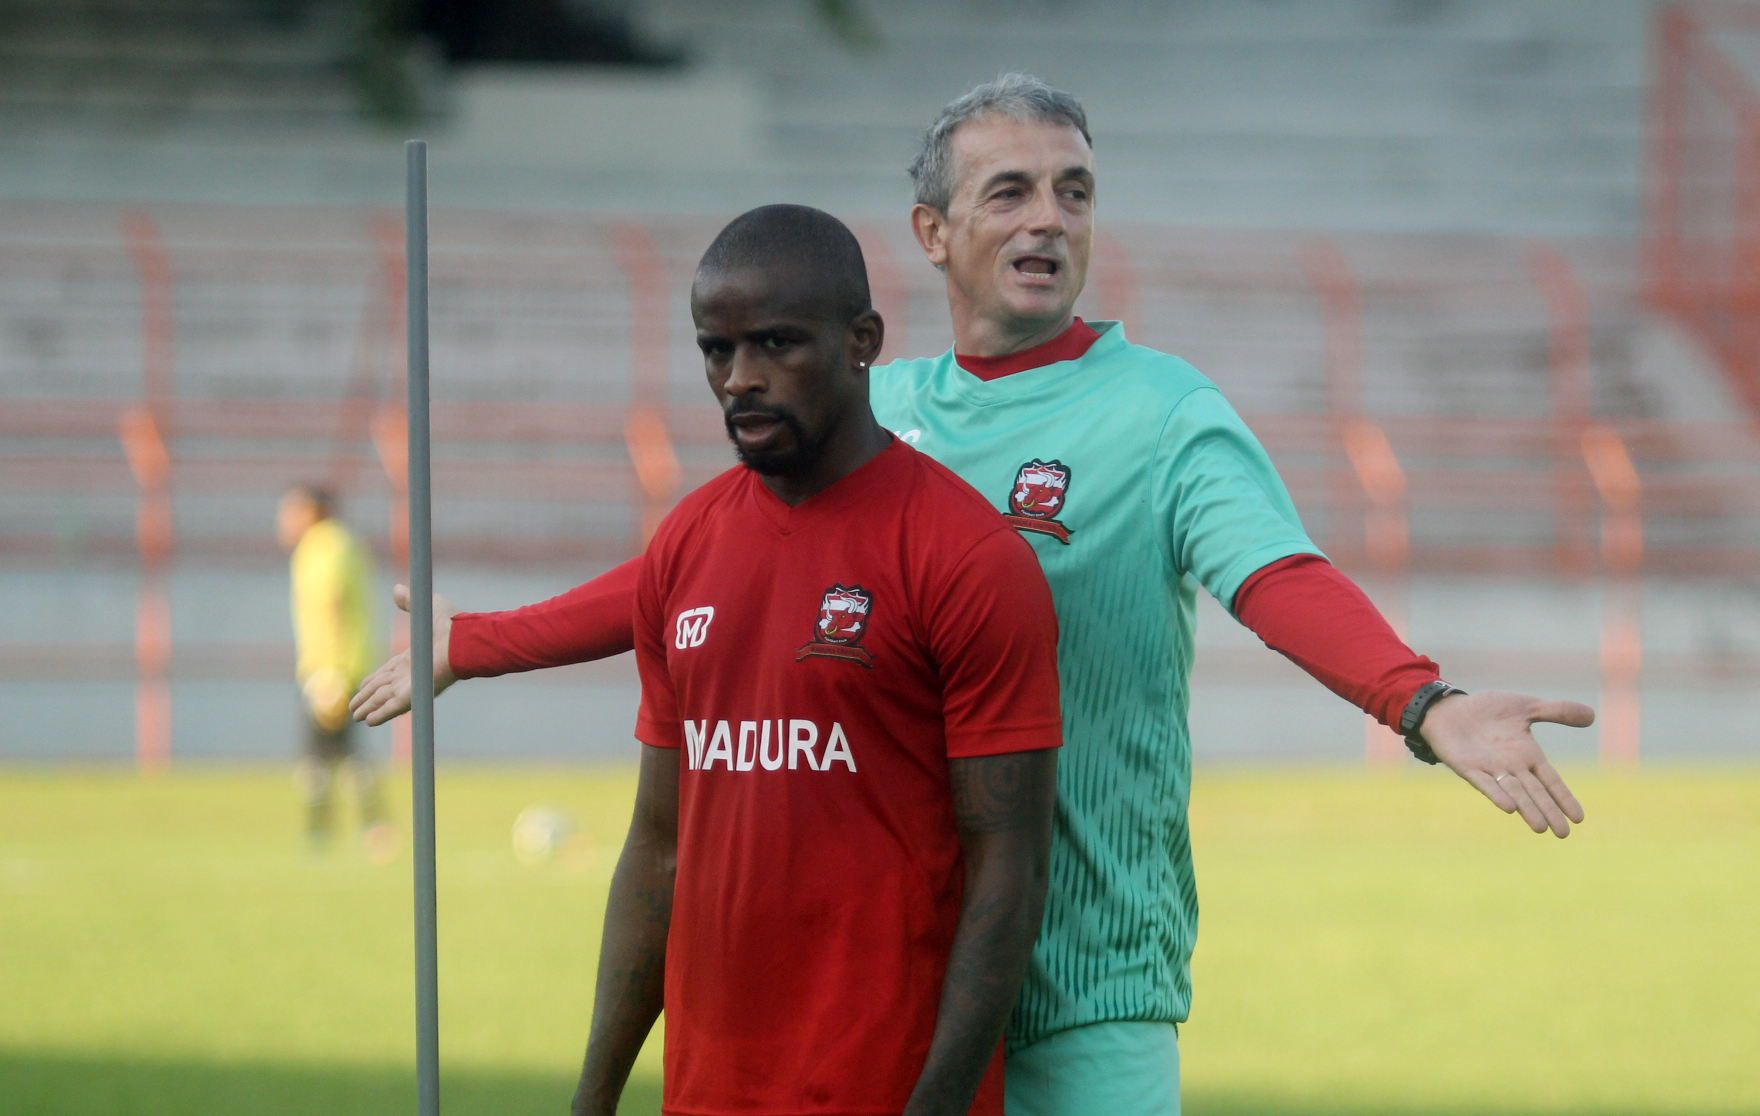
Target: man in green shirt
x,y
1136,483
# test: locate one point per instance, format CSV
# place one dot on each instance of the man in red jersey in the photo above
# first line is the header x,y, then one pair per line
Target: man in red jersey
x,y
849,724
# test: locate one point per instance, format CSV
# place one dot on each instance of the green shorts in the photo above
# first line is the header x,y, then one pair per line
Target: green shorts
x,y
1103,1069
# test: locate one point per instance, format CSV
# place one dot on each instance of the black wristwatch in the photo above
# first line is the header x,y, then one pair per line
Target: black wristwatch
x,y
1413,718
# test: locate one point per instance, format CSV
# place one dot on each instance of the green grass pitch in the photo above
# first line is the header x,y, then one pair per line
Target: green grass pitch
x,y
1372,944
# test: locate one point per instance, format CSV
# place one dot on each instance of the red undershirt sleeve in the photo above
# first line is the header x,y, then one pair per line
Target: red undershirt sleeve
x,y
1304,608
591,621
993,632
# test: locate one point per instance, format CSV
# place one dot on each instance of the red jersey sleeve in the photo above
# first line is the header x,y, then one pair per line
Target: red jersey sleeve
x,y
993,632
657,721
1306,609
588,622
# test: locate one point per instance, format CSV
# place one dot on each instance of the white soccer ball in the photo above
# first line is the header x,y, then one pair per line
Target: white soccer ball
x,y
540,832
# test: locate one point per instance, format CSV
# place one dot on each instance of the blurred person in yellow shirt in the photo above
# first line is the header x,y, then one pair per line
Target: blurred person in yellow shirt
x,y
332,574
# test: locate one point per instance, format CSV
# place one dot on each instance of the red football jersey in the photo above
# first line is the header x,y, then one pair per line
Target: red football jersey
x,y
817,666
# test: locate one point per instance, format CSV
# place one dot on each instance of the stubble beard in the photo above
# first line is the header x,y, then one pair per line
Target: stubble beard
x,y
777,463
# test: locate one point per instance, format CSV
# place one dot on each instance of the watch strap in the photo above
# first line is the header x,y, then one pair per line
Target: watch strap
x,y
1412,719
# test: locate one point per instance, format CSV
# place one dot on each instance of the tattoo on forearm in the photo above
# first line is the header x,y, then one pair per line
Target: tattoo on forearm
x,y
992,793
1003,807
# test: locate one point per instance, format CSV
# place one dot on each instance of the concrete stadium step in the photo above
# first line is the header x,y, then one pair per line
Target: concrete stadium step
x,y
124,62
1495,117
1345,114
288,309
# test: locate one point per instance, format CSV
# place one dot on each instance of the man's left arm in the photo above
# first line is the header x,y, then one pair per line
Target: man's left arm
x,y
1307,610
993,632
1231,524
1002,806
1487,739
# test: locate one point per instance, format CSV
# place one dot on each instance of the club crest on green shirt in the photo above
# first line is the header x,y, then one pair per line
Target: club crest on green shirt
x,y
1041,489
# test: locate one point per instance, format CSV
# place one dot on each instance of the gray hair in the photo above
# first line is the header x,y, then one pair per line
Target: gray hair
x,y
1017,96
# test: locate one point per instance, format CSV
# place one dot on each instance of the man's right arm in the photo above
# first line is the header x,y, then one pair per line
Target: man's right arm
x,y
638,917
632,957
591,621
588,622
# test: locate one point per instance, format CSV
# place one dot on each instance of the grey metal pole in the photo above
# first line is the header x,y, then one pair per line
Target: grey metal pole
x,y
421,634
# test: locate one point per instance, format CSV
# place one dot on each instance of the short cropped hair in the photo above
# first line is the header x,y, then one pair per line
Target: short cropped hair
x,y
808,242
321,496
1016,96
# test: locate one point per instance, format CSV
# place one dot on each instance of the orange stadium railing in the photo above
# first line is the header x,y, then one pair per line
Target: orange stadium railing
x,y
1436,405
1703,250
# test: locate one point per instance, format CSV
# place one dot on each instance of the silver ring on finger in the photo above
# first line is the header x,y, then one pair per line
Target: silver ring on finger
x,y
1500,778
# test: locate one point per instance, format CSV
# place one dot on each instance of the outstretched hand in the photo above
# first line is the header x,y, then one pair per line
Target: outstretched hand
x,y
1487,739
387,691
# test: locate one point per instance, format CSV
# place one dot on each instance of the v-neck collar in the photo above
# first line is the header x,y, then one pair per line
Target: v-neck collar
x,y
1076,339
876,473
1047,377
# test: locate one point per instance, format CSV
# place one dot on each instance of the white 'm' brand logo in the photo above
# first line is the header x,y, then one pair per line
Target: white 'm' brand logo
x,y
693,627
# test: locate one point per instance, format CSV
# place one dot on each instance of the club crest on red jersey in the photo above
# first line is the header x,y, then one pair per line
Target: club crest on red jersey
x,y
1041,489
840,626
